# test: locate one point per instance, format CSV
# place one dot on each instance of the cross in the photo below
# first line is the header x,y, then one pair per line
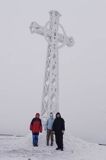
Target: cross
x,y
50,97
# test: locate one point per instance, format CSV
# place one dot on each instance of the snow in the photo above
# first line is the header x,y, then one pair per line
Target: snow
x,y
20,148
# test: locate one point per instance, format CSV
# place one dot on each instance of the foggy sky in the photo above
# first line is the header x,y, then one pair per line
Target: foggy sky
x,y
82,68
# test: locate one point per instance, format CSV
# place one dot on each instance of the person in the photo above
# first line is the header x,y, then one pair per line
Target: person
x,y
48,128
59,128
36,127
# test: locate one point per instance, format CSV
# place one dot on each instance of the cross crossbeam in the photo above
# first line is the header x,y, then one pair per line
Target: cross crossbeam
x,y
36,28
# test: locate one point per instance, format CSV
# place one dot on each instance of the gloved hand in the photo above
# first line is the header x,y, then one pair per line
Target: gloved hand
x,y
53,132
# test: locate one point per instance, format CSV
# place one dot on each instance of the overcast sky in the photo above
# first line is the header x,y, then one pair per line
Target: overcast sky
x,y
82,68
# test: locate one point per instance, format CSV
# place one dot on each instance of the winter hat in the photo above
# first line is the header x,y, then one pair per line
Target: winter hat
x,y
58,114
37,114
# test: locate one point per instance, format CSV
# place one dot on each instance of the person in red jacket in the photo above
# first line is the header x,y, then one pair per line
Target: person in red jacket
x,y
36,127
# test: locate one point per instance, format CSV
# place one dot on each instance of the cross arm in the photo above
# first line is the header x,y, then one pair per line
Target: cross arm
x,y
36,28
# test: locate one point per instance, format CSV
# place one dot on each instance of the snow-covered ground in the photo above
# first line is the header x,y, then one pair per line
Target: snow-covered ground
x,y
20,148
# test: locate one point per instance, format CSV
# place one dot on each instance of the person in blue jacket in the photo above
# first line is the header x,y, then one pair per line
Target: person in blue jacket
x,y
48,128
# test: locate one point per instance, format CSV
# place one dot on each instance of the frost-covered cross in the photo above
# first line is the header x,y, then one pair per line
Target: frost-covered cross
x,y
50,97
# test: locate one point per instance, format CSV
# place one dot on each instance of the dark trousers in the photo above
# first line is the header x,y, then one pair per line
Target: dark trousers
x,y
49,136
59,139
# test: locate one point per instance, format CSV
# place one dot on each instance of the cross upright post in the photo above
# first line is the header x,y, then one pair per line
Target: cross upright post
x,y
50,97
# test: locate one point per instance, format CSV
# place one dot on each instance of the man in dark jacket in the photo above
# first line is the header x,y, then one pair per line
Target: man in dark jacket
x,y
59,128
36,127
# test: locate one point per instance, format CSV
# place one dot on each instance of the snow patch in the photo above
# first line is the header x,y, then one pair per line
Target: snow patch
x,y
20,148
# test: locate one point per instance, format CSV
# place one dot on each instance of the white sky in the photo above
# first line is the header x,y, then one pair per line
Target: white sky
x,y
82,68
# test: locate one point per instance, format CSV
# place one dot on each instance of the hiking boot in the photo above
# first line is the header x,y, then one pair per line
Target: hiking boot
x,y
61,149
47,144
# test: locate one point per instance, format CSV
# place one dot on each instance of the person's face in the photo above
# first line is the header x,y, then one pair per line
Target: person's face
x,y
58,115
37,116
51,115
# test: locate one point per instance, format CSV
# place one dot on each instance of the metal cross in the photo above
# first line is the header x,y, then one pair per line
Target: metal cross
x,y
55,41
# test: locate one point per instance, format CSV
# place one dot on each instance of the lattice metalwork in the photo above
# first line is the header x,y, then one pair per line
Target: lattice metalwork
x,y
50,97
